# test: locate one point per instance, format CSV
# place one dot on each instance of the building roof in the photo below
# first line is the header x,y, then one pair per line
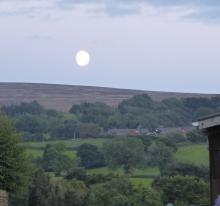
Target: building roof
x,y
209,116
209,121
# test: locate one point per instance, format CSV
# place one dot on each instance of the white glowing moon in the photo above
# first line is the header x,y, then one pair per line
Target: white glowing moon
x,y
82,58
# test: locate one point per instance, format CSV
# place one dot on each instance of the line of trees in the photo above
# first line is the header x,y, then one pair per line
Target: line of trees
x,y
94,119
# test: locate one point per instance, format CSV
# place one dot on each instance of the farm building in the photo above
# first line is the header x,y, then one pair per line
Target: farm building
x,y
146,131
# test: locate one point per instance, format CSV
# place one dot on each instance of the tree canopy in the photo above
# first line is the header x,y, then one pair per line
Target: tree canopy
x,y
183,190
90,156
14,164
55,160
125,152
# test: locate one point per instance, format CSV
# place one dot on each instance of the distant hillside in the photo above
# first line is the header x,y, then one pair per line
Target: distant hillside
x,y
62,97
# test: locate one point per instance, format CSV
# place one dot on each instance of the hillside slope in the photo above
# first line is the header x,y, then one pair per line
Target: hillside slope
x,y
62,97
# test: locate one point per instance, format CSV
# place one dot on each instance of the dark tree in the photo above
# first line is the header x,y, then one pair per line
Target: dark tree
x,y
90,156
14,166
97,113
183,190
40,190
196,137
160,155
55,160
24,108
31,123
187,169
124,152
76,173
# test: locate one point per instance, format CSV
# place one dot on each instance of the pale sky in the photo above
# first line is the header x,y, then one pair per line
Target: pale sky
x,y
164,45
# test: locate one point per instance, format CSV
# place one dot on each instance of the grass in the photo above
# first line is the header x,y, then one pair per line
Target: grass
x,y
104,170
34,153
54,178
146,182
35,149
143,177
148,171
196,154
71,154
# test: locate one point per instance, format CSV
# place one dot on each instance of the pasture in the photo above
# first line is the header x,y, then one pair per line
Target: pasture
x,y
196,154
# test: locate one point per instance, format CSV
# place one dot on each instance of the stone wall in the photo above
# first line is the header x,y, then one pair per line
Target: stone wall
x,y
3,198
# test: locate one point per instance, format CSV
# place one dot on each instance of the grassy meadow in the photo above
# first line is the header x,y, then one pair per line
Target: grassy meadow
x,y
196,154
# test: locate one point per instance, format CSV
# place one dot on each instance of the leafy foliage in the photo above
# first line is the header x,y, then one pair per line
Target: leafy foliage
x,y
88,120
40,190
66,129
90,156
54,159
187,169
31,123
88,130
120,192
44,192
183,190
125,152
14,166
97,113
24,108
161,155
196,137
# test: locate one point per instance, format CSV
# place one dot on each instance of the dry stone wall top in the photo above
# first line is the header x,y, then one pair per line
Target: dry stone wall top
x,y
3,198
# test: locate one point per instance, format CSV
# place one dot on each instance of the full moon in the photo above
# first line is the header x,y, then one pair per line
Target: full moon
x,y
82,58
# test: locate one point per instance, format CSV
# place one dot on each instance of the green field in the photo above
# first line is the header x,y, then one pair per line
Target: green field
x,y
35,149
136,172
142,181
196,154
34,153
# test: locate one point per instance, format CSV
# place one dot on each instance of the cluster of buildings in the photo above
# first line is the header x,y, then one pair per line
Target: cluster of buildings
x,y
146,132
